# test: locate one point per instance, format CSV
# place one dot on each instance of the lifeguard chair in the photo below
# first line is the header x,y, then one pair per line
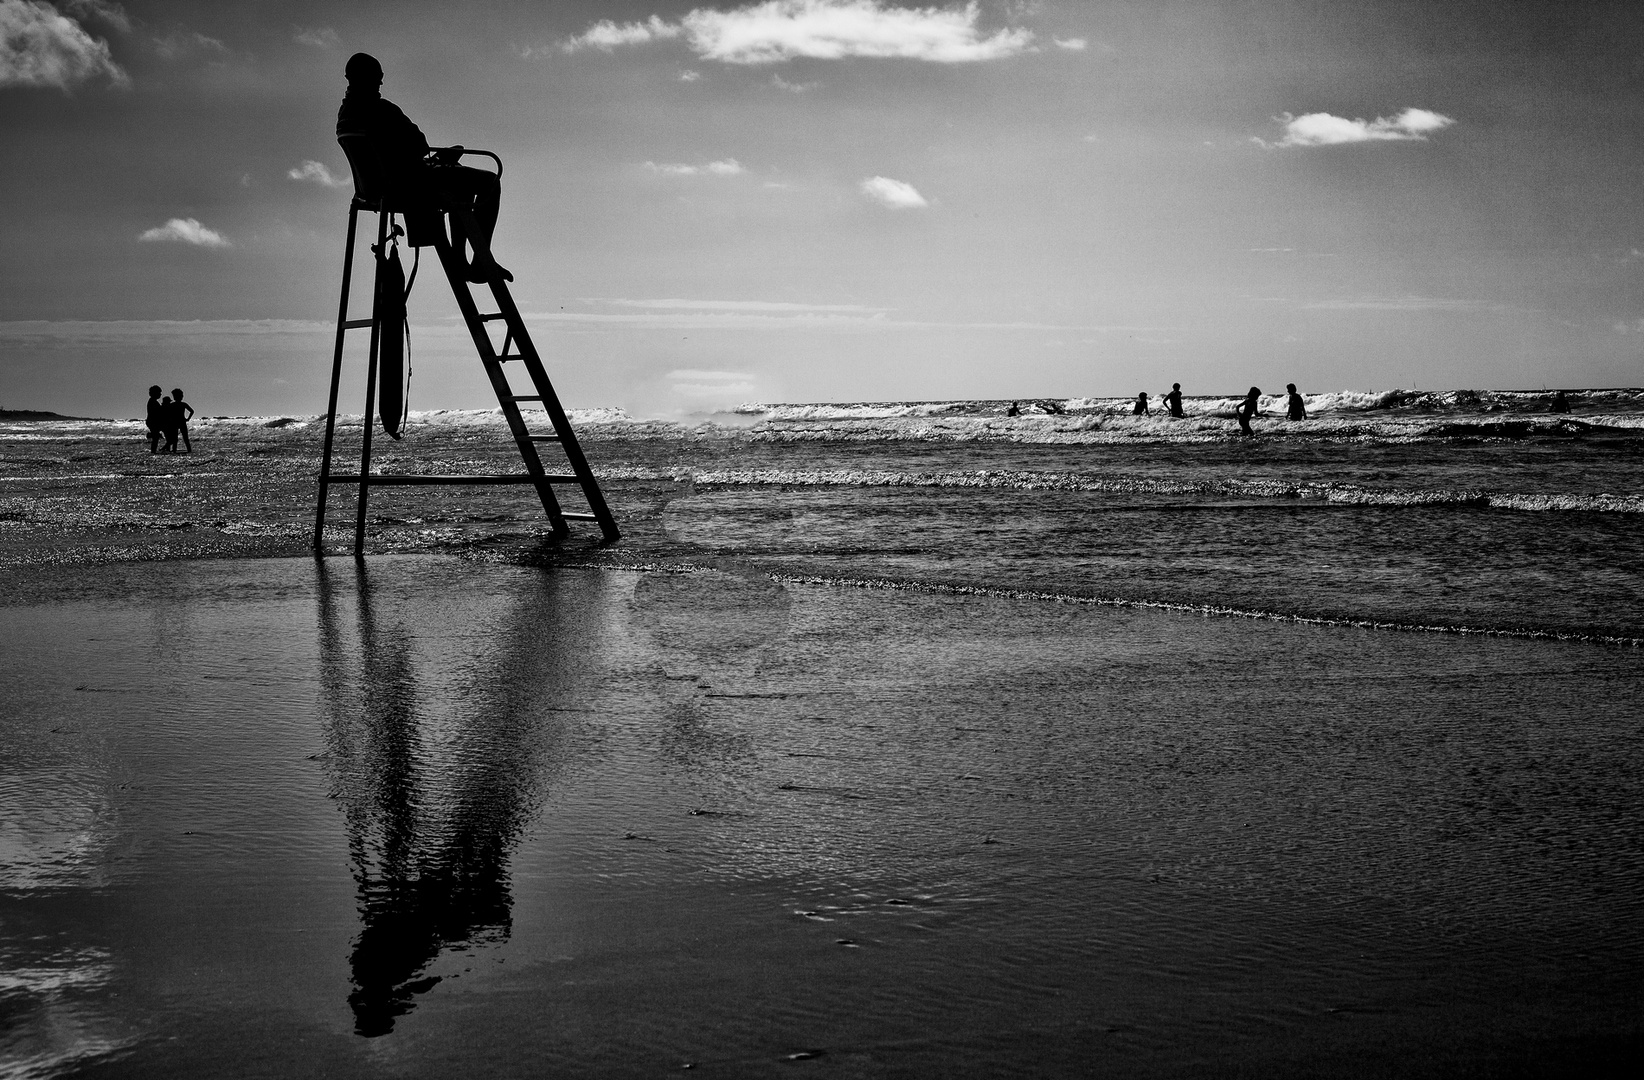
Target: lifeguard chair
x,y
426,224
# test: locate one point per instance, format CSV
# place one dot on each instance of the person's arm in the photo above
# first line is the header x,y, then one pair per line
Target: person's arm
x,y
190,409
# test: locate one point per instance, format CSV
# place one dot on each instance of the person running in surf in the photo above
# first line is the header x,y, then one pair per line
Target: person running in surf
x,y
1246,409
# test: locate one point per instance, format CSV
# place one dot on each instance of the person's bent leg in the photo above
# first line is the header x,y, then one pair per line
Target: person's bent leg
x,y
480,193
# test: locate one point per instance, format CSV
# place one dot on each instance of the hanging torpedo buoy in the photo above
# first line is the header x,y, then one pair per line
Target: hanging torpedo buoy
x,y
390,316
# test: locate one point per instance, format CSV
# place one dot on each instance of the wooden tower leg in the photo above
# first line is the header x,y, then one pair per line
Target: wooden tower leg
x,y
336,380
370,388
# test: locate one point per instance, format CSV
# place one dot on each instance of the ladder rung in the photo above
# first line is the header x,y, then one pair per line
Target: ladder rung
x,y
409,479
579,517
526,397
491,316
357,324
543,438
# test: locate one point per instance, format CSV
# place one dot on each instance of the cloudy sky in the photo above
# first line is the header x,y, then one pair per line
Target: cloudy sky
x,y
824,200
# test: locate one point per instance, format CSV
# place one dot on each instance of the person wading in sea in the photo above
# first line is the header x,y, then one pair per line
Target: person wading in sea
x,y
1247,409
1298,409
1173,400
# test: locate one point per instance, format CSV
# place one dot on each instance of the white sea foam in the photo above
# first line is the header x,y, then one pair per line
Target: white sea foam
x,y
1127,485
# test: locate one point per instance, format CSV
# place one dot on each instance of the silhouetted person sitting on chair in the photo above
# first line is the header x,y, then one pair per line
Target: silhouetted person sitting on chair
x,y
414,169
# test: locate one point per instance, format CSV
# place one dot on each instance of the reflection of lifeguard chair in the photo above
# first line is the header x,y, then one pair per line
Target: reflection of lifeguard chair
x,y
427,224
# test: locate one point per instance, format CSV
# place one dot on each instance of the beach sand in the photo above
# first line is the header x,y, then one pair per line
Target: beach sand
x,y
428,816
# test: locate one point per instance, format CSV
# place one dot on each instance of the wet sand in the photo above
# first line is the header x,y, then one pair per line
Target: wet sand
x,y
436,817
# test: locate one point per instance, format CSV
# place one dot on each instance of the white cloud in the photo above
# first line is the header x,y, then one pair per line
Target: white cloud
x,y
737,305
186,231
727,167
1399,303
709,376
791,87
1323,129
318,37
773,31
606,35
40,47
689,76
893,193
1077,44
181,43
316,172
691,383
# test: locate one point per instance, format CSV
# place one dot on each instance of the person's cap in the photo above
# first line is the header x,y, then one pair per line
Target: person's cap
x,y
362,66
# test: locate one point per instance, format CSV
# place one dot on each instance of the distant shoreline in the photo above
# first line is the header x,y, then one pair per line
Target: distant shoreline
x,y
36,414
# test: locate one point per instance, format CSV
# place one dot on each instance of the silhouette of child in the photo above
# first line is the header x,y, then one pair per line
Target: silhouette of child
x,y
1247,409
168,424
1298,409
1141,408
156,419
1173,400
184,412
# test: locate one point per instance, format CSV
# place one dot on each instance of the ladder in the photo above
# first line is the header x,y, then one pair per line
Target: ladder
x,y
517,347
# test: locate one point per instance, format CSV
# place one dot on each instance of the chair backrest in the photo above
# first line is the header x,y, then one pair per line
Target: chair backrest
x,y
370,180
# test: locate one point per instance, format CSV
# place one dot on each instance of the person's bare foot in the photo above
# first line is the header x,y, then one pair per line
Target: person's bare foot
x,y
483,271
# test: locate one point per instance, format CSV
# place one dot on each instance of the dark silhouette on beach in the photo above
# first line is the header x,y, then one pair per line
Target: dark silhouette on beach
x,y
415,172
1246,409
156,419
1561,404
1173,400
431,834
1297,408
168,424
181,413
1014,410
1141,408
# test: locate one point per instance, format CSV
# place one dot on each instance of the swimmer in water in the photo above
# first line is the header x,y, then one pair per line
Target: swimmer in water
x,y
1141,408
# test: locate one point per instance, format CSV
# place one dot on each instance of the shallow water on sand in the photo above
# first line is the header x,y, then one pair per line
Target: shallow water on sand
x,y
432,817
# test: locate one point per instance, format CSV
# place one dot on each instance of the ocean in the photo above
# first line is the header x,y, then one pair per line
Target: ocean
x,y
892,739
1463,511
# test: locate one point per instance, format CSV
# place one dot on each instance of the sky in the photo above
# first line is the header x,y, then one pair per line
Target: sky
x,y
840,200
